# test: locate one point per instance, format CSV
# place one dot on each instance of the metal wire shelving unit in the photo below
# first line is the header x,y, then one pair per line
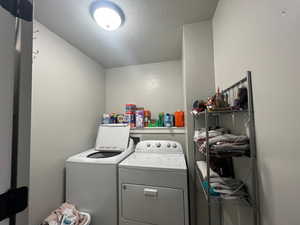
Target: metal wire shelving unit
x,y
253,199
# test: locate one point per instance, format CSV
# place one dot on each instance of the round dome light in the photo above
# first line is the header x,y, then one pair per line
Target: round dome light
x,y
107,15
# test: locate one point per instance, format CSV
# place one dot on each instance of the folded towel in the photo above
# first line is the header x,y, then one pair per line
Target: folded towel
x,y
200,135
227,142
229,138
229,147
203,168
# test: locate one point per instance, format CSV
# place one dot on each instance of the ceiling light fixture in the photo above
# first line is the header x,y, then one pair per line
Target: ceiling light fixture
x,y
107,15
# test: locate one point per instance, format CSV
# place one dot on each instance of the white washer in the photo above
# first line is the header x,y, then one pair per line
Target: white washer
x,y
91,176
153,185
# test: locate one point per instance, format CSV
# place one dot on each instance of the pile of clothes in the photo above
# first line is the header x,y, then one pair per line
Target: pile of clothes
x,y
229,189
226,188
66,214
221,142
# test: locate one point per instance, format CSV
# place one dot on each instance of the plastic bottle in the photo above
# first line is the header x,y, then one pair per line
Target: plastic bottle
x,y
161,117
106,118
168,120
130,119
139,118
179,118
147,118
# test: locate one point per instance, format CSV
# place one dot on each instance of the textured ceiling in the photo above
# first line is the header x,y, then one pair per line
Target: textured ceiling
x,y
152,31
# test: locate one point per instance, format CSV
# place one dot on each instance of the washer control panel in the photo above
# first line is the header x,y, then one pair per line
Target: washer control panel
x,y
158,146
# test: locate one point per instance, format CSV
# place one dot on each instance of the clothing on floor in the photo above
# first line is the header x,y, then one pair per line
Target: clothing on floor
x,y
65,214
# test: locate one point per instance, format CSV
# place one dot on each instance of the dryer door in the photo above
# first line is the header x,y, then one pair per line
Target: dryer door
x,y
152,205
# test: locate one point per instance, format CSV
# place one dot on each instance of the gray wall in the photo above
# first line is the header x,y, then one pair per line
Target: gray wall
x,y
263,36
199,83
156,86
67,100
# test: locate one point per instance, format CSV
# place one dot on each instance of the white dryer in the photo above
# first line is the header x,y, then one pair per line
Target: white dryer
x,y
153,185
92,176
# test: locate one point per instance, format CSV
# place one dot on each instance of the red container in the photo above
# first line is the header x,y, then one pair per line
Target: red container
x,y
179,119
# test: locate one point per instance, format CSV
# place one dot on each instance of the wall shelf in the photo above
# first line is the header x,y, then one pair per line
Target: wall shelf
x,y
158,130
218,113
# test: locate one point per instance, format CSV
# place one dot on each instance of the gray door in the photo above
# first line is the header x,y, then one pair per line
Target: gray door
x,y
14,62
7,46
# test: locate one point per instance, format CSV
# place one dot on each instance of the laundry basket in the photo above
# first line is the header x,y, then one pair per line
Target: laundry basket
x,y
88,216
67,214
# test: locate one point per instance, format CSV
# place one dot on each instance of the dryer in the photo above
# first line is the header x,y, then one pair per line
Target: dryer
x,y
153,185
92,176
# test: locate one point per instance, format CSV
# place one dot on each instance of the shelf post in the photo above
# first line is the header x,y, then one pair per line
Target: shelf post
x,y
208,166
252,138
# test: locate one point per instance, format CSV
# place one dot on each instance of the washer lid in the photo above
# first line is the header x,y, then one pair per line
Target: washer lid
x,y
172,162
112,137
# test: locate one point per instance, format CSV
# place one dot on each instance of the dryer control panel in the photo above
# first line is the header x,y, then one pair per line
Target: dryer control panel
x,y
159,146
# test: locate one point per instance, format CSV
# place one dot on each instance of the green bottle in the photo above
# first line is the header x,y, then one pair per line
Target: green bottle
x,y
161,117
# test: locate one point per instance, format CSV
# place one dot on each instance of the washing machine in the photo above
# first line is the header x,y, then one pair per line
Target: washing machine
x,y
153,187
92,176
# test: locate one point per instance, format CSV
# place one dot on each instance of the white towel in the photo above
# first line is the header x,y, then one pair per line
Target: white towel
x,y
202,165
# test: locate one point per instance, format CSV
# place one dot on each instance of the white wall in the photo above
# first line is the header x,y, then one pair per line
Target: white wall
x,y
67,100
263,36
156,86
199,83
